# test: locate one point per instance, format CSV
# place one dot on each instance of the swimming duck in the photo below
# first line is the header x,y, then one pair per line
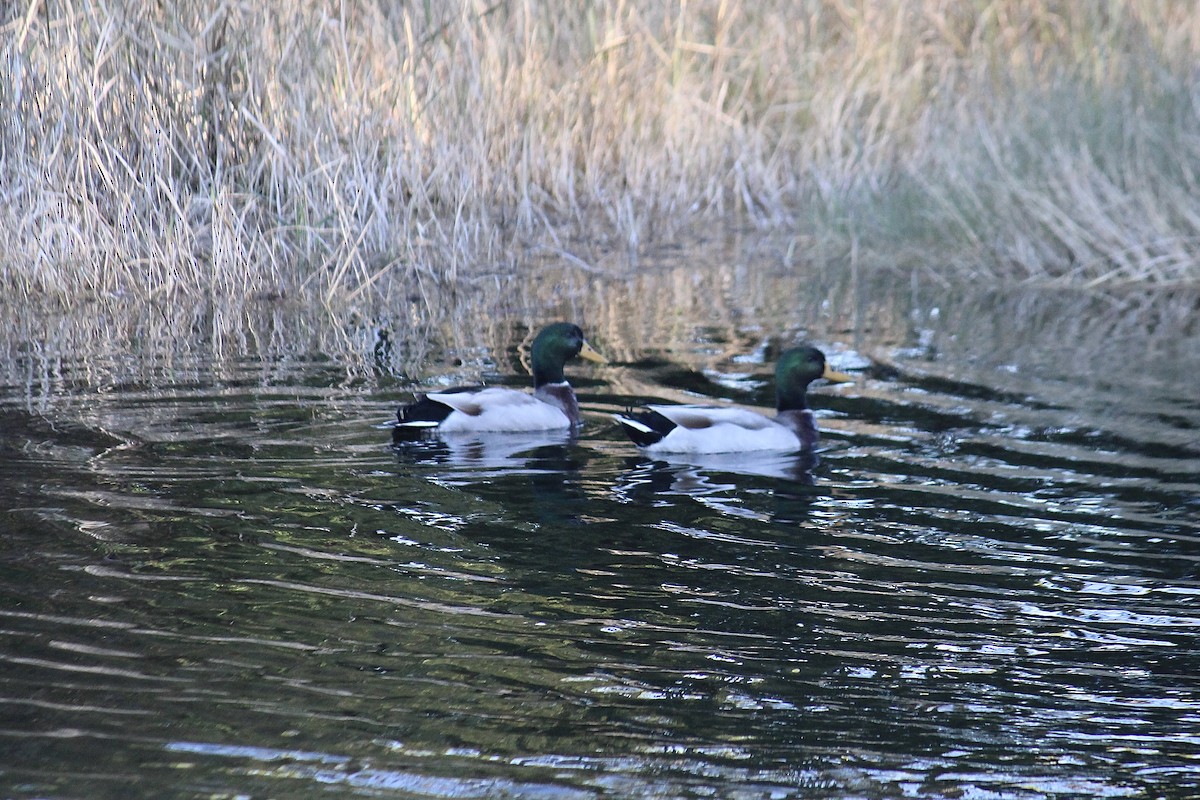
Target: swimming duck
x,y
722,429
552,406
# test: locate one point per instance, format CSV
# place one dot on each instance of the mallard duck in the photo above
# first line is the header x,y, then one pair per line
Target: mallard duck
x,y
552,406
722,429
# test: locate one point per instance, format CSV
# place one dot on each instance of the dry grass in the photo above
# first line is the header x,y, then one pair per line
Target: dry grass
x,y
375,151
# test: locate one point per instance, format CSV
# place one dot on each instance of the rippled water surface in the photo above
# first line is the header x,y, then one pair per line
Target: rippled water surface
x,y
220,579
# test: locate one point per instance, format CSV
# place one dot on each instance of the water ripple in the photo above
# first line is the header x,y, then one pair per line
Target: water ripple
x,y
983,586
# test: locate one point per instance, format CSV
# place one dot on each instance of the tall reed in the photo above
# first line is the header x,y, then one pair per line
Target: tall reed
x,y
228,148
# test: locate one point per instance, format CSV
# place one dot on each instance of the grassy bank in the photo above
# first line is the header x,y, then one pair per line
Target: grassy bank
x,y
220,148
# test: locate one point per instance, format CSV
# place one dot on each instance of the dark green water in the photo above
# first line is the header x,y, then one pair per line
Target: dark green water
x,y
219,579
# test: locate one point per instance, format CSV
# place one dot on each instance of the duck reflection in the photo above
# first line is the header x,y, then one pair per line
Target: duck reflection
x,y
699,474
481,453
535,477
720,483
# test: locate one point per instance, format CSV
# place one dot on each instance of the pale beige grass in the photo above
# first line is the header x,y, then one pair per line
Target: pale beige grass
x,y
368,151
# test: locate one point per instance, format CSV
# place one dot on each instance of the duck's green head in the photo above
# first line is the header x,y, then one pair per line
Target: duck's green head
x,y
795,370
555,346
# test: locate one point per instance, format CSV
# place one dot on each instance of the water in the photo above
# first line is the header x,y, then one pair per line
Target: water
x,y
220,580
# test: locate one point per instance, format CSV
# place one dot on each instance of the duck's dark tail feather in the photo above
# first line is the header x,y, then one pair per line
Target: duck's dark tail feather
x,y
644,428
418,418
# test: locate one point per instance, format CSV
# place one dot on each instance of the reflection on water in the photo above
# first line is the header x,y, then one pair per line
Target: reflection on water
x,y
220,578
480,453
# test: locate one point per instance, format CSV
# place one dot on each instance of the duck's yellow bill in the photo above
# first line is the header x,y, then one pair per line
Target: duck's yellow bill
x,y
590,354
835,376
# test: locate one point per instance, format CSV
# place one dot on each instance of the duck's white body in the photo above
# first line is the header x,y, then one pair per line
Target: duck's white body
x,y
496,408
715,429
